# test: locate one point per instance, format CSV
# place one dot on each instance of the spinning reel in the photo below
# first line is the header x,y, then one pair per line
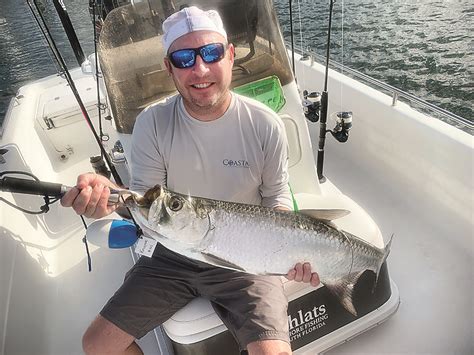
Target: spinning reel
x,y
312,111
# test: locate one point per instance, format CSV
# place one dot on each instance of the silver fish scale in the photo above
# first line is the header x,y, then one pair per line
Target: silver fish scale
x,y
265,241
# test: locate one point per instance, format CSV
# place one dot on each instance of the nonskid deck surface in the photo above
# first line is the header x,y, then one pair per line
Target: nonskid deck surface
x,y
431,261
413,175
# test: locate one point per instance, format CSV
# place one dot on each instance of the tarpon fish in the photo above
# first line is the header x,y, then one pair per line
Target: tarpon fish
x,y
258,240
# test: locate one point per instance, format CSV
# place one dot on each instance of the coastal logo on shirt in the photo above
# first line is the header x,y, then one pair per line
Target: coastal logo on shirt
x,y
231,163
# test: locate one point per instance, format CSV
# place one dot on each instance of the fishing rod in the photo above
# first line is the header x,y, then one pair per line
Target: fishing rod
x,y
47,189
315,108
323,115
117,237
93,5
292,40
29,186
38,16
343,119
71,34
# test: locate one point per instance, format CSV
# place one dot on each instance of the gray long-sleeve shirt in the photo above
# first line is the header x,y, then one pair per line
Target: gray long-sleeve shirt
x,y
240,157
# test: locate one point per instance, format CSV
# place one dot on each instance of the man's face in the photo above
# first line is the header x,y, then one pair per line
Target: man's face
x,y
204,86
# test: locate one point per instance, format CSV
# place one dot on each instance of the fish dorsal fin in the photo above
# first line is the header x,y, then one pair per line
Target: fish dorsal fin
x,y
325,214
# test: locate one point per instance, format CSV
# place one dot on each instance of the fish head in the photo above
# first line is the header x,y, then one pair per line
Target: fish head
x,y
172,215
177,216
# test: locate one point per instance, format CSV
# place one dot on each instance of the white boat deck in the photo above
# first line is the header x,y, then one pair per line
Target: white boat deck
x,y
431,261
47,297
414,176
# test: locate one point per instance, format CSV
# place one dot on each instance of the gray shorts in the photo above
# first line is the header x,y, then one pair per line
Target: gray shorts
x,y
252,307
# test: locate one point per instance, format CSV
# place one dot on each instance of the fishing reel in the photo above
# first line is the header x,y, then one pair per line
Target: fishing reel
x,y
343,126
311,105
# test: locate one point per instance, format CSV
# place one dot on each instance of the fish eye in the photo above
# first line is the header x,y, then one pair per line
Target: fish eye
x,y
175,203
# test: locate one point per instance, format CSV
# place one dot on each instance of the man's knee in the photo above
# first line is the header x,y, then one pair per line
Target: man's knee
x,y
102,336
269,347
93,340
90,342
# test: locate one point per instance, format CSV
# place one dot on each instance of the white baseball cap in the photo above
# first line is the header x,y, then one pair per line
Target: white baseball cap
x,y
190,19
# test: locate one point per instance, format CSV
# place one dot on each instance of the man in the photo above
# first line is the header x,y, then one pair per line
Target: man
x,y
184,144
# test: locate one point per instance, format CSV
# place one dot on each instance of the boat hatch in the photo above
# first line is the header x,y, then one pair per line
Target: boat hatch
x,y
55,115
131,52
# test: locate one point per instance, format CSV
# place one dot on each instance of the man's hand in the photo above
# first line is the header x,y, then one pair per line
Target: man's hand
x,y
302,273
90,196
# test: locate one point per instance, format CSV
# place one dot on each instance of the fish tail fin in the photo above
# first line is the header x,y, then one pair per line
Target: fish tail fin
x,y
343,289
383,259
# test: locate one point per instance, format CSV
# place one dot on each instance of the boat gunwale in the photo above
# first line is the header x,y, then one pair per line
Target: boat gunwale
x,y
396,93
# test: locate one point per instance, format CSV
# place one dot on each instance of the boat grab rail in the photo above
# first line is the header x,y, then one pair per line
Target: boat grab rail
x,y
396,93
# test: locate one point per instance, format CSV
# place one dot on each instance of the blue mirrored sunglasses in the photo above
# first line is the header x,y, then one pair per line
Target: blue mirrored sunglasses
x,y
186,58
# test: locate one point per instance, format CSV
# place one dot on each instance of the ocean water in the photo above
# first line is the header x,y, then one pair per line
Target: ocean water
x,y
424,47
24,55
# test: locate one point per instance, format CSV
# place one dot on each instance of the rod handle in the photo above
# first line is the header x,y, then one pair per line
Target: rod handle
x,y
32,187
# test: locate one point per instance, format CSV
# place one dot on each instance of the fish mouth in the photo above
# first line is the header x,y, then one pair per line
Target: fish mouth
x,y
145,200
163,215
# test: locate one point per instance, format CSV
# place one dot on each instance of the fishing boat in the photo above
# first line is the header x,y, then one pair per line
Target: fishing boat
x,y
397,167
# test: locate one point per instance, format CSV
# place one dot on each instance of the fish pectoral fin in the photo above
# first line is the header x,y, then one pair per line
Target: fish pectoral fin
x,y
343,289
325,214
214,260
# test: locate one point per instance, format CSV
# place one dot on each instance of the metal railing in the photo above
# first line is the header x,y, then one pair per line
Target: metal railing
x,y
397,94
